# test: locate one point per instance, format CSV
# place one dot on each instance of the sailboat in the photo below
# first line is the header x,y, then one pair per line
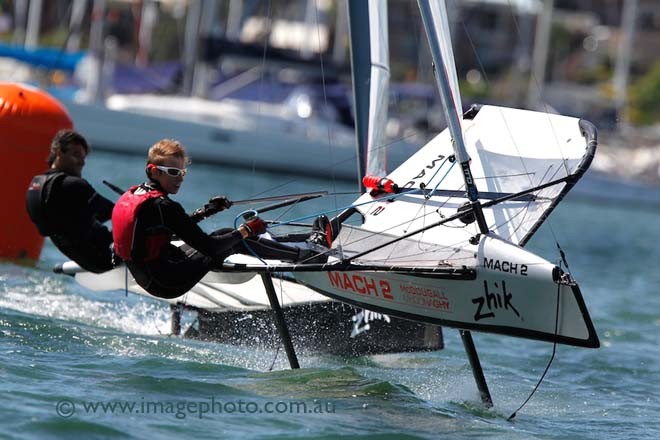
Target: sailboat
x,y
441,239
453,219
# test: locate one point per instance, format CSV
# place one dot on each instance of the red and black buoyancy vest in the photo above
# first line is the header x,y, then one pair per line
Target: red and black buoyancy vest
x,y
124,222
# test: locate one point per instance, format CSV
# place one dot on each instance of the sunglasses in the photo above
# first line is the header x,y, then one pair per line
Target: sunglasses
x,y
171,171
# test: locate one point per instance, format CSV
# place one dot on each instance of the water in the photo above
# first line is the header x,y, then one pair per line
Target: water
x,y
65,348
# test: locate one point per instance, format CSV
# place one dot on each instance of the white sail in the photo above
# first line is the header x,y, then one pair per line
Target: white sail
x,y
371,74
512,150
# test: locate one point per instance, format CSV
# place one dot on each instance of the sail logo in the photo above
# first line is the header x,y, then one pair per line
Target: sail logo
x,y
467,173
505,266
422,173
493,301
361,285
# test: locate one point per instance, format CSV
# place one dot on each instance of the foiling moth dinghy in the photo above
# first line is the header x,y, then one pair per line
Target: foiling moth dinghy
x,y
426,252
443,234
441,238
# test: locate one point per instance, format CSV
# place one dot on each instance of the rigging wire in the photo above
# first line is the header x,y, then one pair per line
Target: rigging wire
x,y
429,195
552,357
269,30
262,74
443,177
422,217
417,217
561,252
325,100
537,85
453,217
273,188
500,176
488,82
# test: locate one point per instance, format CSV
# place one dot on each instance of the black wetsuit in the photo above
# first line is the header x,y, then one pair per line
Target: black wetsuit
x,y
178,269
71,212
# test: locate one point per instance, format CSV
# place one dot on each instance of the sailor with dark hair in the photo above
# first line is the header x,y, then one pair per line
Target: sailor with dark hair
x,y
145,220
66,208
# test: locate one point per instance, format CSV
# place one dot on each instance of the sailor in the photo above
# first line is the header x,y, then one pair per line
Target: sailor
x,y
145,220
66,208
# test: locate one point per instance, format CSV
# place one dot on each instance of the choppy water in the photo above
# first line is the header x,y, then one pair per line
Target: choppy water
x,y
64,349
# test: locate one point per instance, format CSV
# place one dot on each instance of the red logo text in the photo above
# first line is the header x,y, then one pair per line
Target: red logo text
x,y
361,284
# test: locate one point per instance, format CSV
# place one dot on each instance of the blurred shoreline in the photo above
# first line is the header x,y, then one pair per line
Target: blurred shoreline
x,y
630,154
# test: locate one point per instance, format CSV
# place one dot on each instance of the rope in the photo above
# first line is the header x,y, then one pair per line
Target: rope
x,y
547,367
443,177
538,88
343,208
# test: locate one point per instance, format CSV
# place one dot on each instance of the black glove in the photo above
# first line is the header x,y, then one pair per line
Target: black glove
x,y
254,227
217,204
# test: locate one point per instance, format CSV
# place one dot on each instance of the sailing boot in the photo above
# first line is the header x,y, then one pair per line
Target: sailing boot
x,y
319,242
321,232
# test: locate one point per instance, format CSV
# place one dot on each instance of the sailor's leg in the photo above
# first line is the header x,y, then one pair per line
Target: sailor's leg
x,y
269,249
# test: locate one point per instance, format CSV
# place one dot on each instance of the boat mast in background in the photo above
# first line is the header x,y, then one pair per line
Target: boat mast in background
x,y
540,56
624,53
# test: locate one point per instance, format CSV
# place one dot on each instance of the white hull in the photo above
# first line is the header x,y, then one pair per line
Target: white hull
x,y
512,292
216,292
234,308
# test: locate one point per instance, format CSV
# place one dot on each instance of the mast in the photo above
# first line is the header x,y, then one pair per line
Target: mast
x,y
540,55
75,25
624,53
33,24
20,19
94,83
191,45
431,14
371,74
439,44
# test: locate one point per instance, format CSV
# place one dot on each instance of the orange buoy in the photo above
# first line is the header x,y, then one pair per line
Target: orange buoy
x,y
29,118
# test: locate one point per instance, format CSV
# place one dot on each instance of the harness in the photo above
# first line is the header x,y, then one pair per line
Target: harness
x,y
37,198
